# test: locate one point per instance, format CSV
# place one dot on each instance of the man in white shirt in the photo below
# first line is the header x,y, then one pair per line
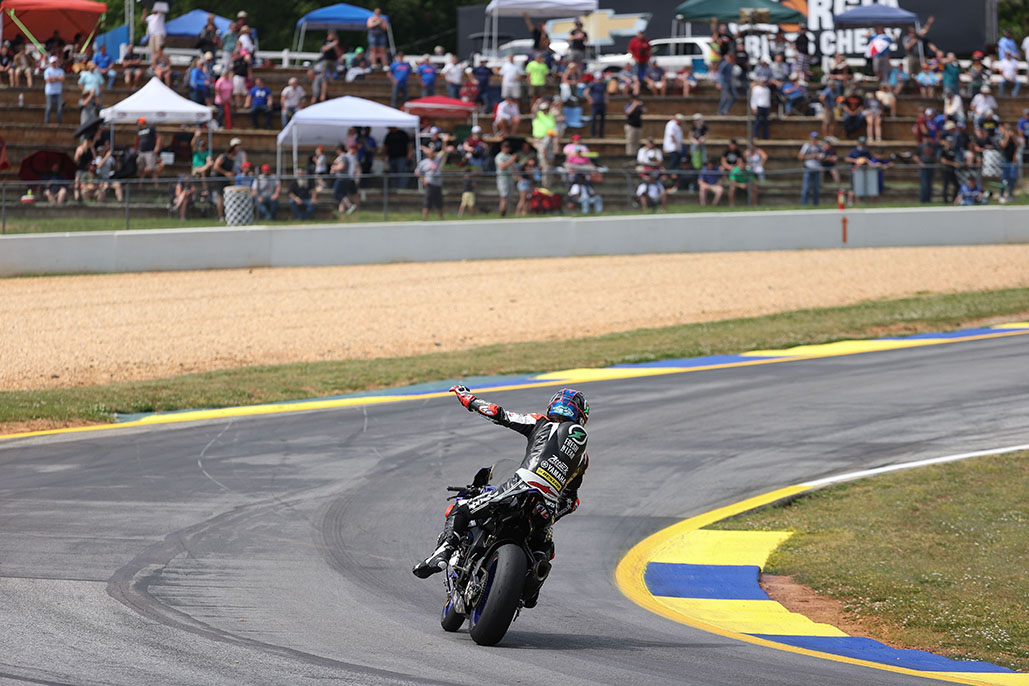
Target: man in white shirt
x,y
291,98
508,116
672,144
155,30
760,106
452,74
510,79
982,102
1008,69
649,156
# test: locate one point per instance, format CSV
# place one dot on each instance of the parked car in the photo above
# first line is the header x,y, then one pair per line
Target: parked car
x,y
521,48
671,54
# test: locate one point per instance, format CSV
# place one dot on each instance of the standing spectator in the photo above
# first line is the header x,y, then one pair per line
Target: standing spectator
x,y
208,39
329,56
302,196
698,141
259,103
911,42
577,39
543,123
760,106
223,98
223,173
756,160
710,182
949,164
291,99
811,156
53,89
155,30
347,168
199,83
319,84
540,37
148,143
951,77
639,48
596,94
104,66
510,79
229,40
241,76
397,146
245,43
925,155
452,73
878,51
265,191
482,75
802,63
839,75
873,117
1008,142
378,28
507,118
828,100
671,144
430,171
90,81
467,195
399,73
105,168
427,77
537,71
727,83
634,112
505,162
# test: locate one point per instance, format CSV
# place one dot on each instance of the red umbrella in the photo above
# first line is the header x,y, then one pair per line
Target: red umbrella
x,y
43,17
39,163
439,107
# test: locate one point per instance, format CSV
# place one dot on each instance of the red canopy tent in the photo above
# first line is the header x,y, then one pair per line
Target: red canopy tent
x,y
43,17
439,107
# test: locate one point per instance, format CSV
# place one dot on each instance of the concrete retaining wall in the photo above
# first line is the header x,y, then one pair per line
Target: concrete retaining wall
x,y
314,245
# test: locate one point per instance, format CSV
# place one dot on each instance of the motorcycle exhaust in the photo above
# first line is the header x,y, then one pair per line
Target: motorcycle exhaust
x,y
541,570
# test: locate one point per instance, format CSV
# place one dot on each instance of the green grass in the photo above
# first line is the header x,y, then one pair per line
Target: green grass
x,y
372,213
932,558
296,381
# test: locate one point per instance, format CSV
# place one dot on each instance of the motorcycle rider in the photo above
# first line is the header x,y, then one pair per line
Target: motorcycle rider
x,y
555,460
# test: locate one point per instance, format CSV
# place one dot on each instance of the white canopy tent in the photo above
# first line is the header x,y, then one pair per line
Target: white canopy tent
x,y
534,8
326,123
158,104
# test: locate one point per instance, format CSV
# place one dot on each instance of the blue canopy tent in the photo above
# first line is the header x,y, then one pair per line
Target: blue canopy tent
x,y
341,17
192,23
879,15
113,40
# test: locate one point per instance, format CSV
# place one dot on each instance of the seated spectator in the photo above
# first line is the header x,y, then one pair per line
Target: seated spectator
x,y
259,103
160,65
87,184
982,102
971,192
649,158
927,81
583,192
576,145
953,107
686,80
245,176
853,112
266,191
779,71
828,101
202,161
358,66
470,87
756,160
473,149
896,80
55,185
794,97
978,74
729,157
22,67
1008,69
710,181
132,67
740,178
655,80
302,196
839,75
651,192
628,81
887,99
104,65
105,172
507,117
185,191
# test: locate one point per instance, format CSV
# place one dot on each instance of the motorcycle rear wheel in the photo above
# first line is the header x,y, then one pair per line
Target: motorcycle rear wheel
x,y
450,619
492,617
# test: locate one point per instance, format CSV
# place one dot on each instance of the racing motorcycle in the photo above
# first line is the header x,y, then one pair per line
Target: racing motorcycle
x,y
494,572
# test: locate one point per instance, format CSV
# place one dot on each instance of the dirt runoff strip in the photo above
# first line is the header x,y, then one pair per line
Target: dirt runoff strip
x,y
96,329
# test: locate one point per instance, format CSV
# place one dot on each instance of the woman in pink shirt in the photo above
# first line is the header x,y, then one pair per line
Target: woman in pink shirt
x,y
223,96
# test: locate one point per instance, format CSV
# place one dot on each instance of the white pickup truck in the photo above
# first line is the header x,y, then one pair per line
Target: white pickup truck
x,y
671,54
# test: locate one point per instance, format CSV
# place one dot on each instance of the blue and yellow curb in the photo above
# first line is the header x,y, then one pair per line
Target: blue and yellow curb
x,y
561,378
709,579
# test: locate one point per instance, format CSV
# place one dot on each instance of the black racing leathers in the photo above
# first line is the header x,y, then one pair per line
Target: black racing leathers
x,y
555,456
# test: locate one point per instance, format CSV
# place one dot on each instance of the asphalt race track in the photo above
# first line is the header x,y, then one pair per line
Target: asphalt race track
x,y
277,549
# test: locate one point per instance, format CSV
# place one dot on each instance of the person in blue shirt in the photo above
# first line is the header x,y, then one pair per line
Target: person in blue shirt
x,y
103,64
596,93
399,73
258,100
1023,124
427,76
1007,46
971,193
199,84
482,75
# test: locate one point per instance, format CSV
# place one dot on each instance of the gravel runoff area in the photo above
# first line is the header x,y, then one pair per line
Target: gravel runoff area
x,y
95,329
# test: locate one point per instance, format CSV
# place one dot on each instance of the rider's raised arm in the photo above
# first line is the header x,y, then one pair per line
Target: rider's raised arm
x,y
522,423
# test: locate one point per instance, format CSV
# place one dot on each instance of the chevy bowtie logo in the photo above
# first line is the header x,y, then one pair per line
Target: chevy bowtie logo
x,y
600,26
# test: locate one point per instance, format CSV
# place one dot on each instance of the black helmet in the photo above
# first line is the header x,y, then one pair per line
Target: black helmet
x,y
567,405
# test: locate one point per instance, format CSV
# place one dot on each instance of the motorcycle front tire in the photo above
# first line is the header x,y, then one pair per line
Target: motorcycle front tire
x,y
450,619
509,568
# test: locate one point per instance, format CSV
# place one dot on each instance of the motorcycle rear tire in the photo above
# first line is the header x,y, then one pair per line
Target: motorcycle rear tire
x,y
451,619
509,569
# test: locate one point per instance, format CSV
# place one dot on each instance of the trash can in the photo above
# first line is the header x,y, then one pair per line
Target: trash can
x,y
239,208
865,182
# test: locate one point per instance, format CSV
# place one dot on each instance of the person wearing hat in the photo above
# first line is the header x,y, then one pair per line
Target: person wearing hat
x,y
148,143
544,126
634,112
245,42
981,103
577,39
90,81
810,156
53,88
950,162
265,191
